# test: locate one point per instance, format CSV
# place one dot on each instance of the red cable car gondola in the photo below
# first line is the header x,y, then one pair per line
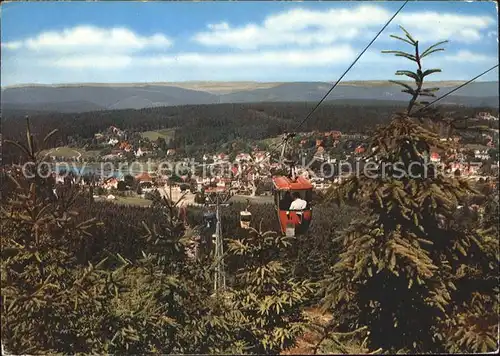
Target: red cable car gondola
x,y
292,222
294,218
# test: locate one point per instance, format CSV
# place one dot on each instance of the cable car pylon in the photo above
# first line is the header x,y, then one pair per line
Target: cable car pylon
x,y
218,199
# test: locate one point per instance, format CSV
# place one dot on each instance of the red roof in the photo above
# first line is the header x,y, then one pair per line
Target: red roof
x,y
285,183
143,177
215,189
359,149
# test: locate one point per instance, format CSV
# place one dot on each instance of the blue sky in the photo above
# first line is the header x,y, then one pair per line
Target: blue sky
x,y
75,42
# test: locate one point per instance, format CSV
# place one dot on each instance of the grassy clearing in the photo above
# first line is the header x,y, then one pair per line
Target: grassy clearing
x,y
271,140
167,134
88,154
257,200
473,146
135,201
69,152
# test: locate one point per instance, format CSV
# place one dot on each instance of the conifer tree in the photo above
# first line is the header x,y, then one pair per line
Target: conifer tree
x,y
50,301
164,304
407,271
269,301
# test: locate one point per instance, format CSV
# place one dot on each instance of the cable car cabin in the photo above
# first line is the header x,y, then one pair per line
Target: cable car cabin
x,y
297,221
245,219
209,219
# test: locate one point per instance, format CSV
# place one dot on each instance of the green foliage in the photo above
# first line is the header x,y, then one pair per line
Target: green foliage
x,y
418,76
51,301
269,301
154,196
149,295
408,270
493,152
122,186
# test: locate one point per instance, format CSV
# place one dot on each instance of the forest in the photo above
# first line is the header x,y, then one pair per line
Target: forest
x,y
400,264
210,127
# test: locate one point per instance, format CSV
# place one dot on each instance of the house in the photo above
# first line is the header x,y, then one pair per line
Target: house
x,y
481,154
336,134
144,177
319,142
202,182
115,130
110,183
359,150
223,182
112,141
435,157
141,152
260,156
320,152
112,156
125,146
243,157
333,134
235,171
473,169
220,157
170,152
59,179
454,166
356,136
486,116
146,186
465,169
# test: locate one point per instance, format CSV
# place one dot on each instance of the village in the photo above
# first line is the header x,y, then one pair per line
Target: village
x,y
247,174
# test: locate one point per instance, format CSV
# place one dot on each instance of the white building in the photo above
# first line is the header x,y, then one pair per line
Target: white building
x,y
243,157
260,156
481,154
140,152
486,116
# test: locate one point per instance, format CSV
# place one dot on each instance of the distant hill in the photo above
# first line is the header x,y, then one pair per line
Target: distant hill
x,y
63,107
92,97
89,98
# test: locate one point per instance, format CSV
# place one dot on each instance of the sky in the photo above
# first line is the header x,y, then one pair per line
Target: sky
x,y
117,42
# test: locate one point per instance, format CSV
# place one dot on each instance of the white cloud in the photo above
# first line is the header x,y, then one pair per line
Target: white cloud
x,y
468,56
432,26
88,38
299,44
218,26
297,58
258,59
308,27
294,27
12,45
90,61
